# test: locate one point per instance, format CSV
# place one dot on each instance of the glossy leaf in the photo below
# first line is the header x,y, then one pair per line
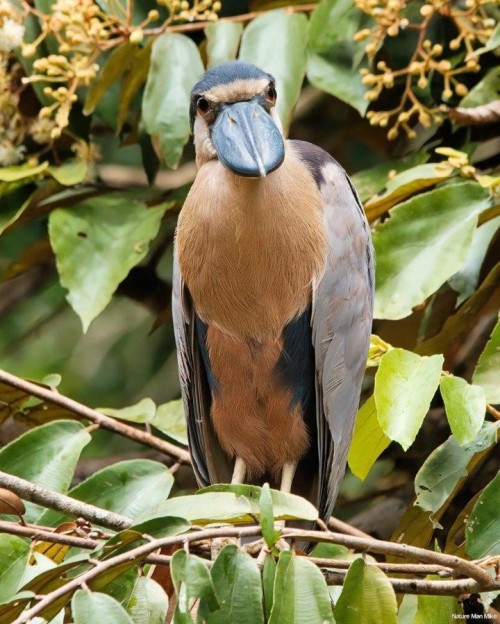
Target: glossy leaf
x,y
223,40
53,452
486,373
423,244
96,243
276,41
482,534
404,386
268,578
447,465
236,580
368,440
175,67
334,55
267,517
300,593
14,555
465,406
147,602
191,580
96,607
437,609
126,487
367,597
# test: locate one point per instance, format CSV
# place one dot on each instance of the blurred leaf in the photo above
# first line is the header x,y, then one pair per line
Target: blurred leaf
x,y
368,440
14,554
22,172
13,205
407,609
133,79
117,63
223,39
267,517
455,540
11,610
286,506
482,534
437,609
24,204
477,116
465,407
378,347
96,607
367,597
492,43
268,578
11,399
488,366
369,182
402,186
423,244
300,593
70,173
10,503
141,412
404,386
193,573
276,41
175,67
236,581
126,487
485,91
96,243
448,464
170,420
465,280
150,161
334,55
147,603
45,456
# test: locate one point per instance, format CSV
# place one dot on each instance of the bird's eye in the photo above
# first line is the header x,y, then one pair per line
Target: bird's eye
x,y
270,94
203,105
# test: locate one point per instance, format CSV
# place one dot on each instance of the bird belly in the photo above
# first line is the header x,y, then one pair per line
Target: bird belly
x,y
253,412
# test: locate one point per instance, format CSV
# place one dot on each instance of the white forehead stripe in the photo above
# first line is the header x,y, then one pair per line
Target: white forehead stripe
x,y
236,91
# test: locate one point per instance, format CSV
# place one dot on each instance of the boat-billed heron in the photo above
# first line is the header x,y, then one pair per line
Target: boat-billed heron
x,y
272,297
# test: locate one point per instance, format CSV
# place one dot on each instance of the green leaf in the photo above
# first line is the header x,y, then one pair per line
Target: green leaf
x,y
170,420
485,91
465,281
286,506
14,555
368,441
141,412
486,371
96,607
334,56
367,597
192,573
223,39
70,173
423,244
117,63
268,577
482,534
465,407
96,243
447,465
175,67
300,593
133,79
22,172
267,517
46,456
236,580
127,488
437,609
147,602
276,41
404,386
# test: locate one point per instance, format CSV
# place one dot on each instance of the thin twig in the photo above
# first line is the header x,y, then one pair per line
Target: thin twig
x,y
343,527
396,568
82,411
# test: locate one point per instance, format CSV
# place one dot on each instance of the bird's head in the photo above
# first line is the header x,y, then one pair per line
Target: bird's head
x,y
234,120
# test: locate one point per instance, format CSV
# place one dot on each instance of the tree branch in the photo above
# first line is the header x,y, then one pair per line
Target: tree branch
x,y
82,411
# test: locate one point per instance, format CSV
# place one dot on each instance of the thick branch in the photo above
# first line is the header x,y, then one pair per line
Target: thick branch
x,y
64,504
82,411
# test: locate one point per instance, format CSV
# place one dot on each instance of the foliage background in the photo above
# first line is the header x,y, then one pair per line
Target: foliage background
x,y
405,96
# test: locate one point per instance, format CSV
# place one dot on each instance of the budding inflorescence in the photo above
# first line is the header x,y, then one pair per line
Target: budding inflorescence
x,y
426,64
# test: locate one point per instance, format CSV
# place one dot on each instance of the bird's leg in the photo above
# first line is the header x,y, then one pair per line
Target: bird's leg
x,y
239,471
287,474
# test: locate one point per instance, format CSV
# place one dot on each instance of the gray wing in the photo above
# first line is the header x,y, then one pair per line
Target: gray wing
x,y
342,313
208,459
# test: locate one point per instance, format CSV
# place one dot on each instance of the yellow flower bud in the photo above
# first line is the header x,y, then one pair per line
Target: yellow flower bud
x,y
136,36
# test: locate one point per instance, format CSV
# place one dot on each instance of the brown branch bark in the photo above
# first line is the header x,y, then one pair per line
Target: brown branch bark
x,y
82,411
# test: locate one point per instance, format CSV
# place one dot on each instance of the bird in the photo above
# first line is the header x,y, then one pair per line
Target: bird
x,y
272,296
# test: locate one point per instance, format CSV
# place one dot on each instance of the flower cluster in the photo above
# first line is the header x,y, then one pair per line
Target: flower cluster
x,y
427,62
